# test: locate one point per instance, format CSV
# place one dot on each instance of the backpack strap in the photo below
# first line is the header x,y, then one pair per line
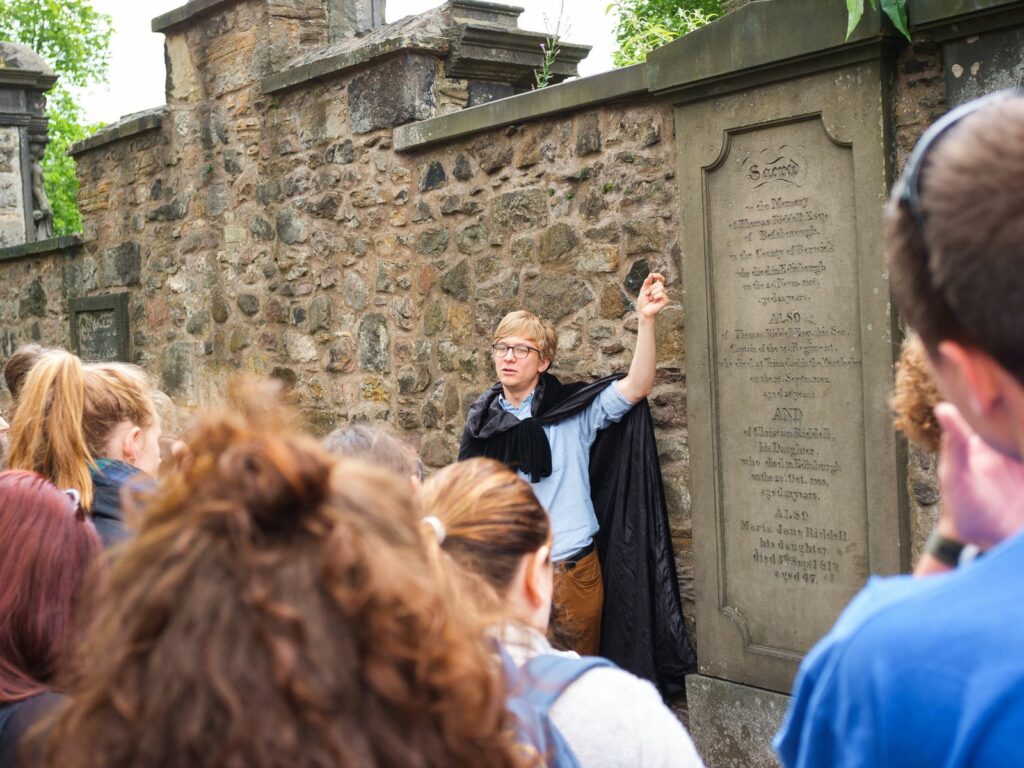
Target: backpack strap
x,y
548,675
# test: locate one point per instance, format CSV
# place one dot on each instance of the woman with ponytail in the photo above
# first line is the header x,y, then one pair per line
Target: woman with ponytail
x,y
496,537
93,428
276,608
48,547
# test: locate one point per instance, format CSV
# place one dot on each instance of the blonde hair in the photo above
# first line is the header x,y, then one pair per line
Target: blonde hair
x,y
491,519
529,326
66,413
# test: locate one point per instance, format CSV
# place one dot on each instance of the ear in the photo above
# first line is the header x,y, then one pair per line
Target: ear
x,y
978,375
536,565
545,363
131,444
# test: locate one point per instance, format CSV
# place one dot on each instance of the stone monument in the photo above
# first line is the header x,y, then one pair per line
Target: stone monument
x,y
25,213
783,172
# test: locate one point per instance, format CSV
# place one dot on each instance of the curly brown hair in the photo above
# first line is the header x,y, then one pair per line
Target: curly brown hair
x,y
915,396
277,609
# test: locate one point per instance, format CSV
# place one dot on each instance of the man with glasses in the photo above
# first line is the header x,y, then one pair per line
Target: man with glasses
x,y
930,671
547,430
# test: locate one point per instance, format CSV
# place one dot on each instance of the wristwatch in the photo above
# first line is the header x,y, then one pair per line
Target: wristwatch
x,y
944,549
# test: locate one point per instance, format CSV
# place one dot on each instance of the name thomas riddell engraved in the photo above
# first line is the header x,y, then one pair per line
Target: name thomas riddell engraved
x,y
788,364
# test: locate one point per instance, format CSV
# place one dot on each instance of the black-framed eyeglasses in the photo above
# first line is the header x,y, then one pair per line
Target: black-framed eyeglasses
x,y
521,351
909,188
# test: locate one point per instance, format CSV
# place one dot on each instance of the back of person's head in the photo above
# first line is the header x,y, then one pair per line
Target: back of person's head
x,y
277,608
914,397
957,269
376,446
18,365
67,412
47,548
491,519
528,326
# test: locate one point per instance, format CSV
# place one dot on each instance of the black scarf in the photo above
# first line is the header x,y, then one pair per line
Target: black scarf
x,y
642,626
494,433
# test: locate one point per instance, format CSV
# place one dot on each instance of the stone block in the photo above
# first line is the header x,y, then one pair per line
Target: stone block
x,y
455,282
556,241
732,725
374,344
392,92
522,209
121,265
554,298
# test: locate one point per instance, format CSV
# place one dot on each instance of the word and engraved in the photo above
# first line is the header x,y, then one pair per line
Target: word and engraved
x,y
788,365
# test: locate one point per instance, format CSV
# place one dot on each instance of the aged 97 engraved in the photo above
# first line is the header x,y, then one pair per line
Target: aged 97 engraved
x,y
785,319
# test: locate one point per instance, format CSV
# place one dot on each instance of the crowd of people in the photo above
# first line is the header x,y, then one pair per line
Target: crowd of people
x,y
251,596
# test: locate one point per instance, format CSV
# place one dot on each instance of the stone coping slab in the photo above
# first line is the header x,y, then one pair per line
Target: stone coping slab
x,y
764,41
571,95
335,64
922,12
127,126
190,10
950,19
40,247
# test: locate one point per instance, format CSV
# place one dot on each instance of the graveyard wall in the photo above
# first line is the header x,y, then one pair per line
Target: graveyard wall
x,y
281,232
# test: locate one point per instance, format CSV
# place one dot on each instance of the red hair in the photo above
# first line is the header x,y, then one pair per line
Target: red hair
x,y
48,546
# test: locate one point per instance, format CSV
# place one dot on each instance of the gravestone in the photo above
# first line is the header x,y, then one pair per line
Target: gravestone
x,y
798,493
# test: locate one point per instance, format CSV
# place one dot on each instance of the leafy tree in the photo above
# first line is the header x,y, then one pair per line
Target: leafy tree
x,y
74,39
643,25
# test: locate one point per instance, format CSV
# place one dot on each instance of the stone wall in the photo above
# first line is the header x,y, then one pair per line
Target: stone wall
x,y
279,231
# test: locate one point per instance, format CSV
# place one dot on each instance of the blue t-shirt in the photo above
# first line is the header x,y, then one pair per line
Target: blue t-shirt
x,y
918,672
565,493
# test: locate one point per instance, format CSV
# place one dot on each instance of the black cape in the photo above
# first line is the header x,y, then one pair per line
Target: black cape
x,y
642,626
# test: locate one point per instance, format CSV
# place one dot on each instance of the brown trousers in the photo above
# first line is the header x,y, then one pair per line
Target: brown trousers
x,y
579,597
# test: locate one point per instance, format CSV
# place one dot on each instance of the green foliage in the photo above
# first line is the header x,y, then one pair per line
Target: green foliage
x,y
75,40
896,10
643,25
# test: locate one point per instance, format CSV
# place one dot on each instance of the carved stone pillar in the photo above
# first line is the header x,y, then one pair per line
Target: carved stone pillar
x,y
24,79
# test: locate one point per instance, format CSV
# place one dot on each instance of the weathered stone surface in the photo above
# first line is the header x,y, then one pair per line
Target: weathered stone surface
x,y
670,338
553,298
645,236
636,276
238,340
432,242
588,135
121,265
320,311
523,209
300,347
341,153
733,725
354,291
341,356
290,228
219,308
612,304
374,344
176,368
493,155
432,176
248,303
598,258
413,378
198,322
556,241
33,303
455,282
462,170
261,229
436,452
472,239
392,92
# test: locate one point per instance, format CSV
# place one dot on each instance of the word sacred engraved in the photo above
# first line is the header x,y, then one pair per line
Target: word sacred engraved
x,y
788,364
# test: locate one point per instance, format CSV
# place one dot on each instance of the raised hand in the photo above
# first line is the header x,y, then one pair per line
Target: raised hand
x,y
652,298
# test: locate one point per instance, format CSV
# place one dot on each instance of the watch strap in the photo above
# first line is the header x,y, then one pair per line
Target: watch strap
x,y
944,549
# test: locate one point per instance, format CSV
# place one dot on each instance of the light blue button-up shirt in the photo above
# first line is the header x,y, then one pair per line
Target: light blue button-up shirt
x,y
565,493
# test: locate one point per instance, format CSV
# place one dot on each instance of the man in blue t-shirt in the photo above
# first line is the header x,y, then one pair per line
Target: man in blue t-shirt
x,y
554,453
930,671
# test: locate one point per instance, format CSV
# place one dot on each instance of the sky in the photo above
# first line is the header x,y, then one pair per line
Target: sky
x,y
137,55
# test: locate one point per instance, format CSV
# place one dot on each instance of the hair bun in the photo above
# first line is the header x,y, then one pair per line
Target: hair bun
x,y
277,484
